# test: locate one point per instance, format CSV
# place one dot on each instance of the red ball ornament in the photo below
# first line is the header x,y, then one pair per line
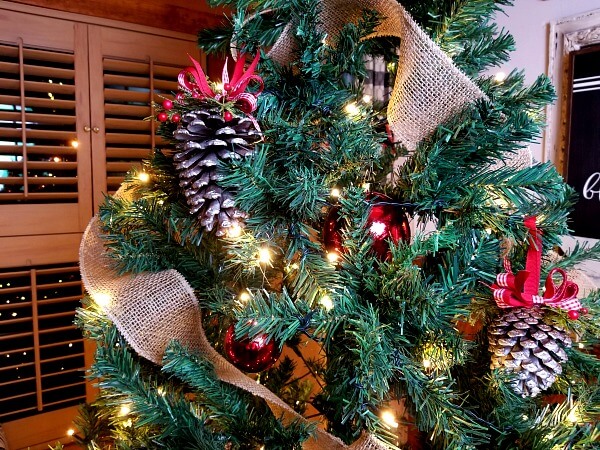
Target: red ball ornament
x,y
162,116
250,355
227,116
386,221
227,87
584,311
175,118
573,314
167,104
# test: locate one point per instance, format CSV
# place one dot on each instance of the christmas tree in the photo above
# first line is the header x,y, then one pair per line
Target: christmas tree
x,y
372,243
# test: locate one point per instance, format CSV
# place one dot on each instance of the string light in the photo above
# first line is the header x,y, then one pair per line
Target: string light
x,y
234,231
219,87
332,257
335,192
427,363
264,255
352,109
500,77
581,345
573,416
389,418
367,98
143,177
70,432
125,409
74,143
244,296
326,302
102,298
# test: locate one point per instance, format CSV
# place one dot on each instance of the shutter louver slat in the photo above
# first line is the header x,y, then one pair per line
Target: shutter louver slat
x,y
37,87
49,368
129,89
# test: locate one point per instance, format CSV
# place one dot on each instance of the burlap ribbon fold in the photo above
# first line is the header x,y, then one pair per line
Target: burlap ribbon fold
x,y
152,309
429,88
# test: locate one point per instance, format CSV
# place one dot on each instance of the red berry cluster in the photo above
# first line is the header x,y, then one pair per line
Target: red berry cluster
x,y
163,116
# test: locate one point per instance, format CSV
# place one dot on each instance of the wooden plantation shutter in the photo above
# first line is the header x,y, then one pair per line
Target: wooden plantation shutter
x,y
42,355
38,161
136,69
130,87
73,96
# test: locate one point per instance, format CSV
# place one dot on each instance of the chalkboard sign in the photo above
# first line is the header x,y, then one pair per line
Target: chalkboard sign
x,y
583,166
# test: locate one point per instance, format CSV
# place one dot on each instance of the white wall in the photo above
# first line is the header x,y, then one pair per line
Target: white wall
x,y
529,21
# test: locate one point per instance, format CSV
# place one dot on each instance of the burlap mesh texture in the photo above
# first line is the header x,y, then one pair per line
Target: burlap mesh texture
x,y
429,88
152,309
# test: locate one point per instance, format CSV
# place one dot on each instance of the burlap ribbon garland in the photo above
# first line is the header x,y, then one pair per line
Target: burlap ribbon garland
x,y
152,309
429,88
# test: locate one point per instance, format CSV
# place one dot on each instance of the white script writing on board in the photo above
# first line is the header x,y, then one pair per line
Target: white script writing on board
x,y
592,186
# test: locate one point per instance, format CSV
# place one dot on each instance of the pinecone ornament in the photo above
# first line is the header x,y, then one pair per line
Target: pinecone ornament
x,y
205,139
522,342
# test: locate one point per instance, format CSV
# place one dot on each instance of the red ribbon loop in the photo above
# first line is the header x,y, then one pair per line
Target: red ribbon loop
x,y
194,80
521,290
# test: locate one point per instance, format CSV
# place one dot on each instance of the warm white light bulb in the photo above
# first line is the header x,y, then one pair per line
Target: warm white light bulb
x,y
333,257
352,109
264,255
219,87
143,177
70,432
389,418
427,363
326,302
335,192
500,77
102,298
234,231
367,98
573,417
244,296
125,409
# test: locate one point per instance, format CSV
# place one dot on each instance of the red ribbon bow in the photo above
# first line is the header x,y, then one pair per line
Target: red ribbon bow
x,y
194,80
521,290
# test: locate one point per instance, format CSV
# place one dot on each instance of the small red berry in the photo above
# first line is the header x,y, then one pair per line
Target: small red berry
x,y
162,117
180,97
227,87
573,314
227,116
167,104
584,311
175,118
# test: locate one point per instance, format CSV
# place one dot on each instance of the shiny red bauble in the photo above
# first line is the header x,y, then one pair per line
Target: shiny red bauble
x,y
386,221
175,118
162,116
227,116
250,355
573,314
167,104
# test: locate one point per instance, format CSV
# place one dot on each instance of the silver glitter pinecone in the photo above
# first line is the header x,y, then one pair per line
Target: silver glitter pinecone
x,y
522,342
205,138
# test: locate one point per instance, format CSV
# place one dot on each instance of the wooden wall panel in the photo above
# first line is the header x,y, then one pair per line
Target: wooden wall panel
x,y
175,15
